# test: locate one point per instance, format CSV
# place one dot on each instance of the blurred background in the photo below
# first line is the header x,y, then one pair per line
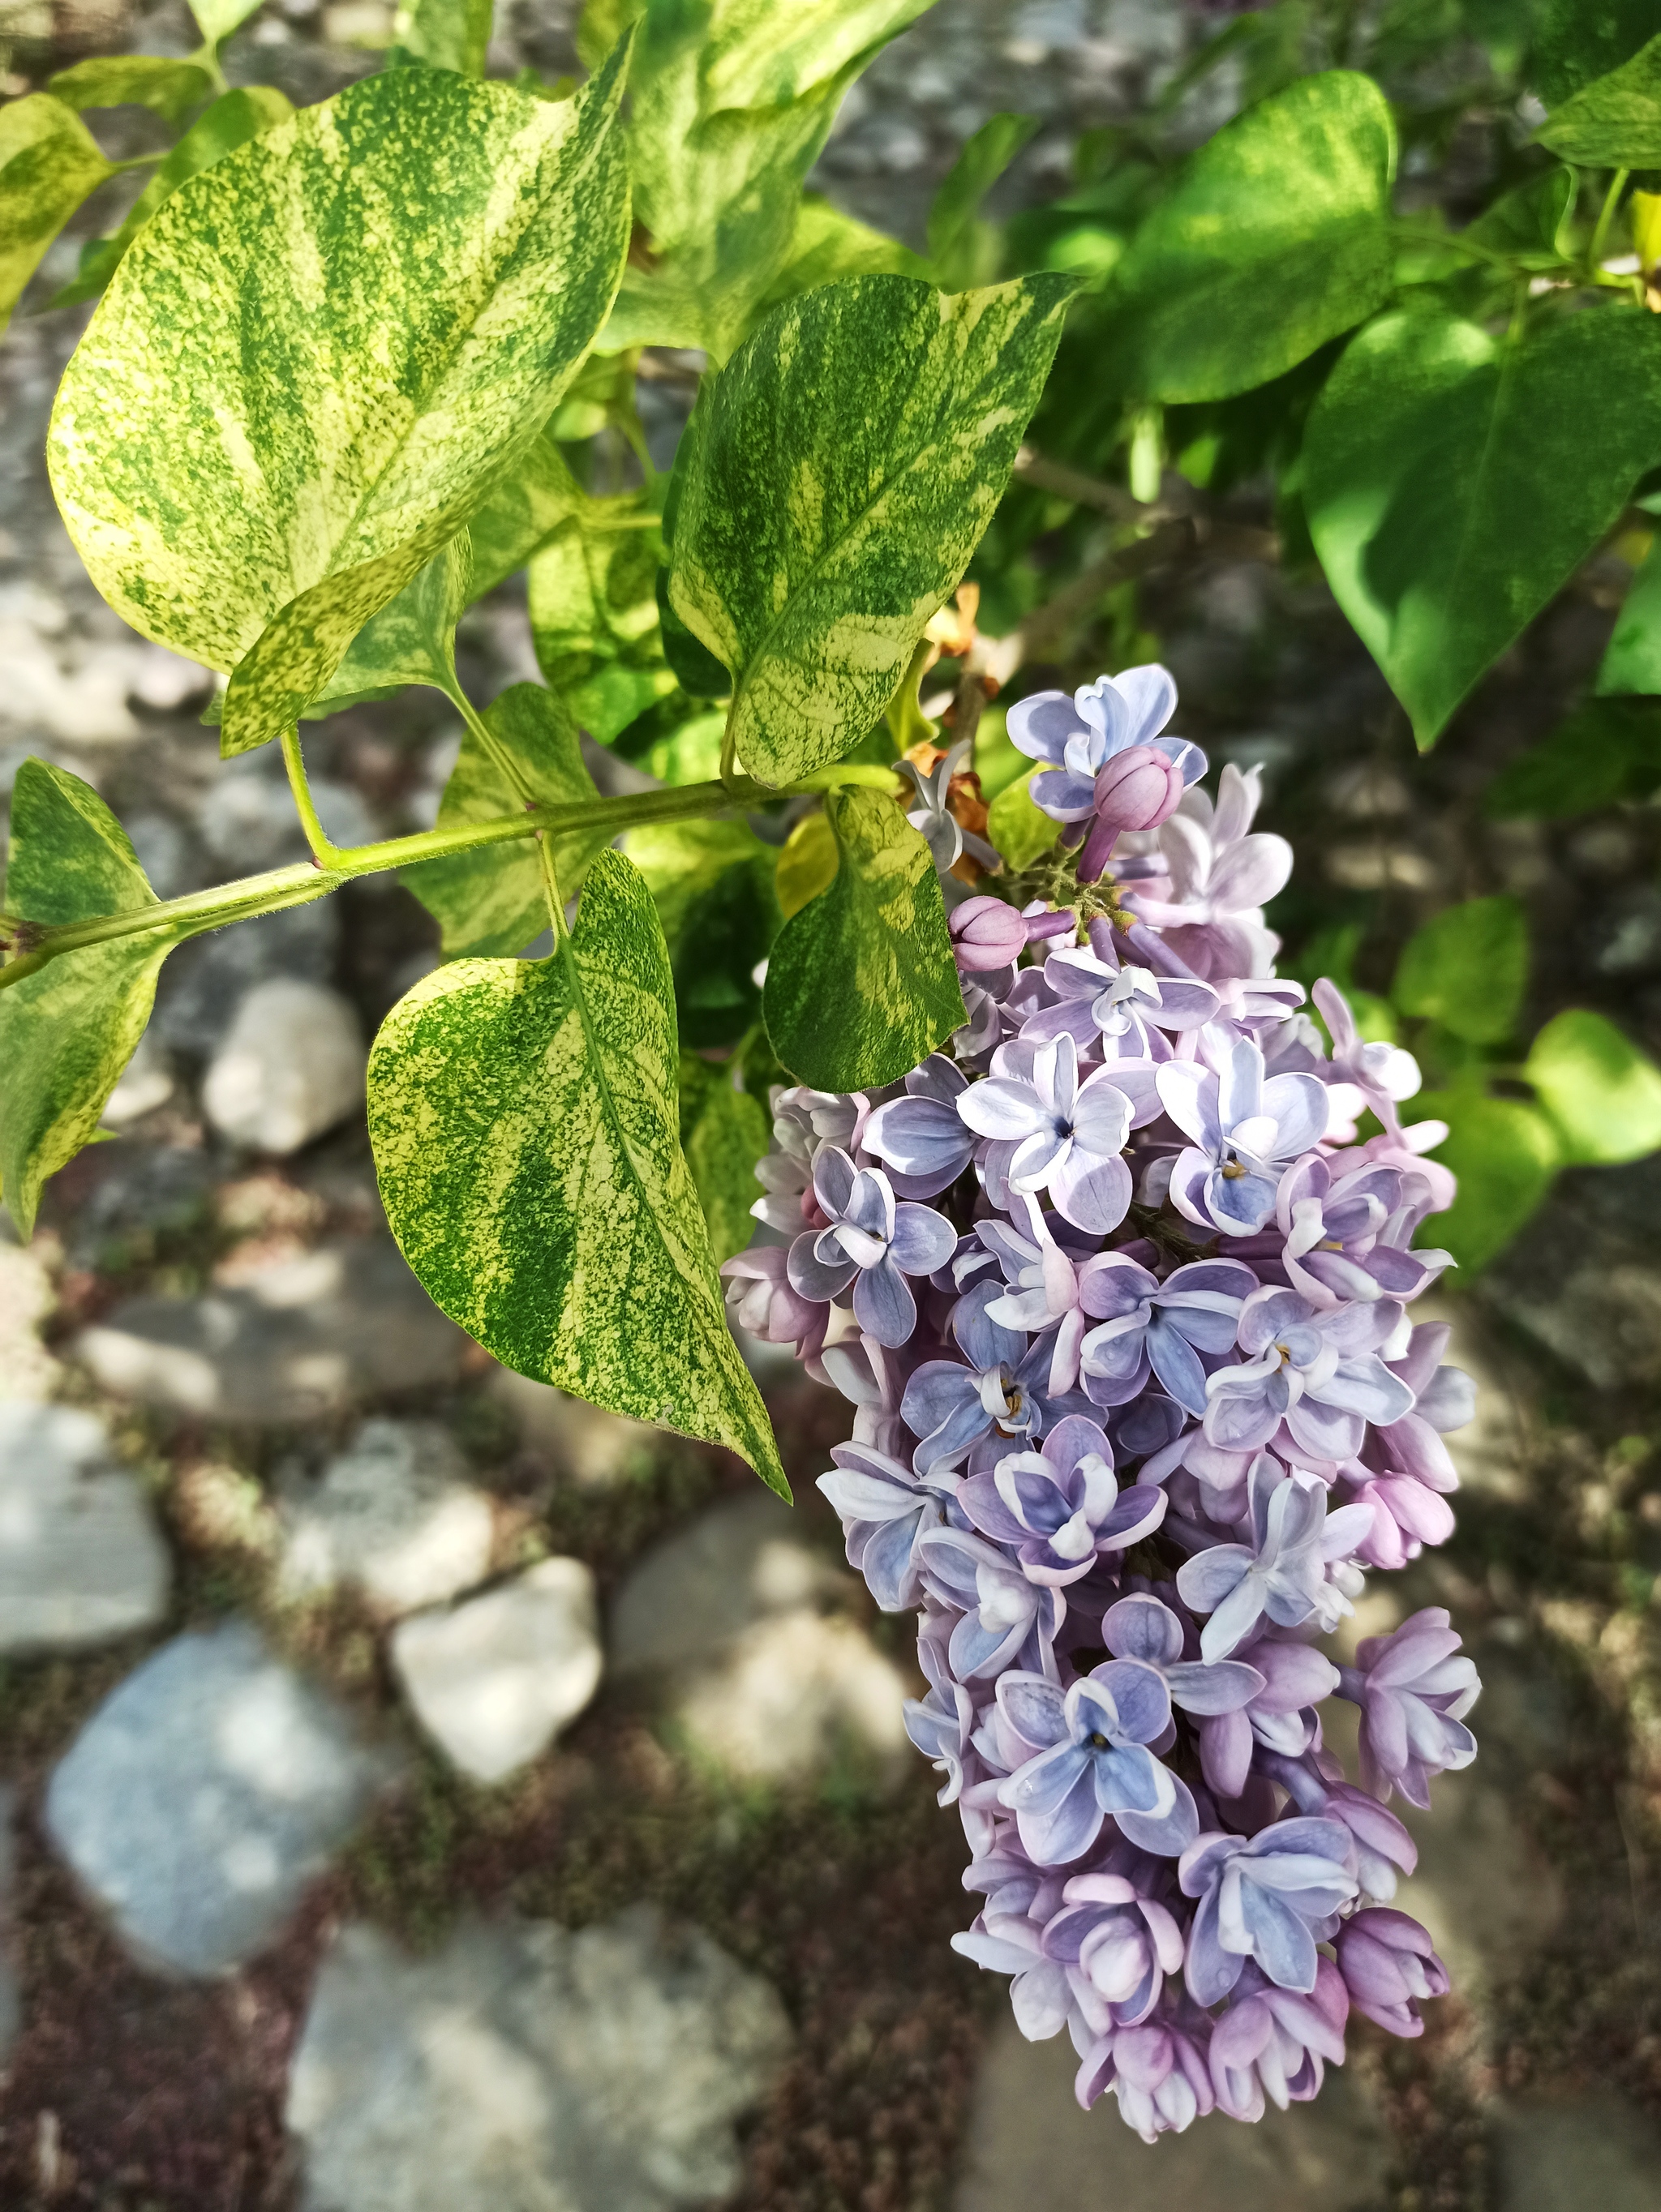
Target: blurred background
x,y
418,1789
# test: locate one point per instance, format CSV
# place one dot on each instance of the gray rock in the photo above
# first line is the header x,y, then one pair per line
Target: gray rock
x,y
1029,2143
494,1680
394,1514
1566,2157
142,1191
303,1338
81,1560
247,821
146,1083
595,1448
203,1795
523,2069
28,1370
204,980
750,1632
290,1066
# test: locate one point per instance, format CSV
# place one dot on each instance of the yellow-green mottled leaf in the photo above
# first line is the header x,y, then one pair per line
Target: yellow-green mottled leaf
x,y
827,244
519,511
424,260
690,753
491,900
49,162
723,1133
412,640
67,1032
1505,1154
861,985
807,865
594,616
169,88
712,884
525,1118
842,469
450,34
1614,122
231,121
1604,1094
219,18
1020,830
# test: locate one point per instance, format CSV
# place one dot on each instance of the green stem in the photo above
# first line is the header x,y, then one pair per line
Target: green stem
x,y
1605,217
1419,236
317,838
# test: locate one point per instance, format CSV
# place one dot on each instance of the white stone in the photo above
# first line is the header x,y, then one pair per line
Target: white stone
x,y
290,1066
751,1631
393,1514
166,684
81,1560
202,1797
595,1448
146,1083
28,1370
493,1681
523,2069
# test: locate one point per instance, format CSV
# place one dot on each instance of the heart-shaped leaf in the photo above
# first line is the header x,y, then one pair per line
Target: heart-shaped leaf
x,y
1614,122
49,162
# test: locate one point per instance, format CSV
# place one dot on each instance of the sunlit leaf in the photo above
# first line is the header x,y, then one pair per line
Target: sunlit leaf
x,y
827,244
425,260
1614,121
1020,830
169,88
1604,1094
49,162
861,985
1505,1154
963,248
1467,968
450,34
1632,659
594,615
412,639
219,18
525,1117
807,865
519,511
892,416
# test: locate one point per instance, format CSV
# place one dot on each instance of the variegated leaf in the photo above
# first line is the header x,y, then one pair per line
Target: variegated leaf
x,y
49,162
712,883
525,1125
67,1032
594,614
412,640
491,900
169,88
834,479
861,985
425,260
450,34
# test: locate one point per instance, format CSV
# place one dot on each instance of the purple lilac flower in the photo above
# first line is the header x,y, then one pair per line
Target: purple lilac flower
x,y
1413,1687
1009,1943
1382,1075
1117,1945
1079,735
1269,1897
1271,2043
872,1243
1221,875
1143,1627
1273,1722
990,1407
759,1299
921,1137
986,933
885,1510
1136,790
1091,1760
1282,1571
1007,1620
1149,1326
1315,1368
1244,1134
1345,1237
1379,1844
1094,999
1157,2071
1042,1292
942,1723
1390,1966
1052,1132
1057,1508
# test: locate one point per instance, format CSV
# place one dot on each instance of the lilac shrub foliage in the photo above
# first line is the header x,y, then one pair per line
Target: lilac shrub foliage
x,y
1120,1294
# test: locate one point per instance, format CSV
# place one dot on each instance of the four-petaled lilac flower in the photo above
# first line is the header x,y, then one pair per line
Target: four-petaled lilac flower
x,y
1130,1006
885,1509
1052,1132
1414,1688
1315,1367
1042,1296
1157,2072
1380,1075
1079,735
1142,1627
1007,1620
871,1242
1295,1678
1091,1760
1346,1234
1390,1966
1163,1328
932,819
993,1405
921,1137
1244,1132
1269,1897
1271,2043
1282,1571
1118,1946
1221,875
1058,1508
1009,1943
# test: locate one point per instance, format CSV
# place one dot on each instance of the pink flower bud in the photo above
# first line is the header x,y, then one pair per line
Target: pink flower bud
x,y
1136,789
1390,1966
986,933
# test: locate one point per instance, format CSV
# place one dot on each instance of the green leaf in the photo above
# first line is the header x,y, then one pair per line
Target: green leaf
x,y
807,865
524,1118
1607,752
1505,1154
231,121
412,640
1451,488
1576,40
450,34
49,162
68,1030
520,510
723,1133
893,415
219,18
713,886
1615,122
594,618
1273,239
1632,659
491,900
861,985
1604,1094
963,248
1467,968
689,753
425,260
169,88
1527,223
1020,830
827,244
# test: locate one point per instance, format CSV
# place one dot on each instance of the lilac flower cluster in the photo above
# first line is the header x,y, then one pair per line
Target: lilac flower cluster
x,y
1119,1293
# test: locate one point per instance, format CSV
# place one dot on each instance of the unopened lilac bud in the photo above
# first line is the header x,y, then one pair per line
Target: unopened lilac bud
x,y
1389,1965
1137,789
986,933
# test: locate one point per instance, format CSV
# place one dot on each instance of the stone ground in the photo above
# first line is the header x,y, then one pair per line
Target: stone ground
x,y
417,1789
